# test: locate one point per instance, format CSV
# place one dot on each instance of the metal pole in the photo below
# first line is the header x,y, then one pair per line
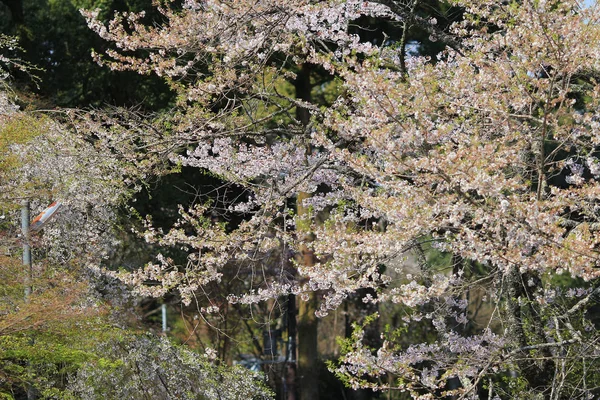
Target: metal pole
x,y
164,318
31,391
292,328
26,248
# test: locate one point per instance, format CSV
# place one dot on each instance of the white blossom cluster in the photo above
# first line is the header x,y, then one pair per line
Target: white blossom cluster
x,y
460,155
58,165
149,368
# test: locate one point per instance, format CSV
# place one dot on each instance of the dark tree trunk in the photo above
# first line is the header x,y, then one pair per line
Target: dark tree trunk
x,y
290,372
16,10
307,320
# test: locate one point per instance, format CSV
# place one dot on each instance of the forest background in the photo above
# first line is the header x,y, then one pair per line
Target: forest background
x,y
361,199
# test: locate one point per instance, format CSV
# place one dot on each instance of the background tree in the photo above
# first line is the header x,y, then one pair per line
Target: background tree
x,y
55,39
67,338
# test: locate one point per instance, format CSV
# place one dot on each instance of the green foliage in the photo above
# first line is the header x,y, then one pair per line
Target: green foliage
x,y
17,129
56,39
45,360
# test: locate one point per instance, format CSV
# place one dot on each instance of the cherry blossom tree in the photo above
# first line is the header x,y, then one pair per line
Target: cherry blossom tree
x,y
45,334
66,337
486,153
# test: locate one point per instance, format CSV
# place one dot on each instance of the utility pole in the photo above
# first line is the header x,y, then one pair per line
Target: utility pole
x,y
26,229
31,392
26,248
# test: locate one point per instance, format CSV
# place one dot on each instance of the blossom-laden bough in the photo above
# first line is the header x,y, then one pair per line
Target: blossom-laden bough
x,y
487,152
67,337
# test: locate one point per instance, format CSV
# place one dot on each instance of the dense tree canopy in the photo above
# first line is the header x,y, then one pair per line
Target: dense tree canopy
x,y
461,151
65,329
437,162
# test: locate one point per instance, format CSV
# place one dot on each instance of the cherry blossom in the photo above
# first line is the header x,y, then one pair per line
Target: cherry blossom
x,y
485,153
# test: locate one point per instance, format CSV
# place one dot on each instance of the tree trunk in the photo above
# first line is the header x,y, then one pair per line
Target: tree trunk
x,y
307,320
290,371
307,349
16,10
